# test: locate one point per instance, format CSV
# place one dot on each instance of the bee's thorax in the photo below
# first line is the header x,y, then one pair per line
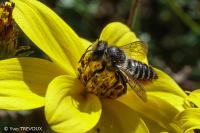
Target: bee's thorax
x,y
114,56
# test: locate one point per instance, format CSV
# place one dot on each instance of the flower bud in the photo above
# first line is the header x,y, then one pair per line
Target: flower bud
x,y
8,31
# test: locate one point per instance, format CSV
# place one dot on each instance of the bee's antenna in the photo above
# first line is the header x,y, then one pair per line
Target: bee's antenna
x,y
86,51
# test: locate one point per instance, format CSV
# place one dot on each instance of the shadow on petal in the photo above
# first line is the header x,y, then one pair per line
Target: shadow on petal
x,y
153,126
155,109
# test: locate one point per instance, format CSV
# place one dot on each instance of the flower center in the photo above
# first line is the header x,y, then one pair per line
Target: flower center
x,y
99,80
8,32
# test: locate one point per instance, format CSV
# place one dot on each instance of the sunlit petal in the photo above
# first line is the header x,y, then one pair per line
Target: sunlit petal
x,y
118,34
49,32
194,97
23,82
67,110
188,119
164,83
172,99
118,118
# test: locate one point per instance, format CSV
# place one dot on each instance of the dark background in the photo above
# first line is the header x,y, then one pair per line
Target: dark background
x,y
170,27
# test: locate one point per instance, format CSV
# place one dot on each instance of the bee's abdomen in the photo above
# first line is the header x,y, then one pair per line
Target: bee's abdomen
x,y
140,70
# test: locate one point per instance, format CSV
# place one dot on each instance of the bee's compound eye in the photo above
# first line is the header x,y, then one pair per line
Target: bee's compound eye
x,y
100,48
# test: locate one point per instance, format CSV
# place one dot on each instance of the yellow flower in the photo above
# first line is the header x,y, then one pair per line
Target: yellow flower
x,y
189,118
68,108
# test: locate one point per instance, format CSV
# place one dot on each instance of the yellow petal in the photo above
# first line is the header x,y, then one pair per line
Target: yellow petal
x,y
67,110
164,100
164,83
118,118
49,32
114,33
194,97
189,119
119,34
155,109
166,88
172,99
23,82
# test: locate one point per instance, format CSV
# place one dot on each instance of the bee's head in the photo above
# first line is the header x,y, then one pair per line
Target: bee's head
x,y
99,50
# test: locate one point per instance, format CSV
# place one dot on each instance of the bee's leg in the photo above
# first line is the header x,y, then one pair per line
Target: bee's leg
x,y
84,63
122,79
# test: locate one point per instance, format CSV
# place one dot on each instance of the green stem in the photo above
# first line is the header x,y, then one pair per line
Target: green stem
x,y
132,13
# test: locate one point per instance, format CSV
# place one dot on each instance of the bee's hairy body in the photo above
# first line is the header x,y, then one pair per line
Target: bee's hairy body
x,y
99,71
100,81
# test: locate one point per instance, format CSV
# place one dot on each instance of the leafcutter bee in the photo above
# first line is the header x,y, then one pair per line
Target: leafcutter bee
x,y
106,69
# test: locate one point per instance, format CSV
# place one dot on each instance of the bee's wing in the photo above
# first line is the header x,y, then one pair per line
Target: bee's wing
x,y
136,50
134,84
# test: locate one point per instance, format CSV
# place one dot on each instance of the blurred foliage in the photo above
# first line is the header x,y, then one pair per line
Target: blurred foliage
x,y
170,27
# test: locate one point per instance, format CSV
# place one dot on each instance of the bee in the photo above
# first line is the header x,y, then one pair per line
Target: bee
x,y
107,69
